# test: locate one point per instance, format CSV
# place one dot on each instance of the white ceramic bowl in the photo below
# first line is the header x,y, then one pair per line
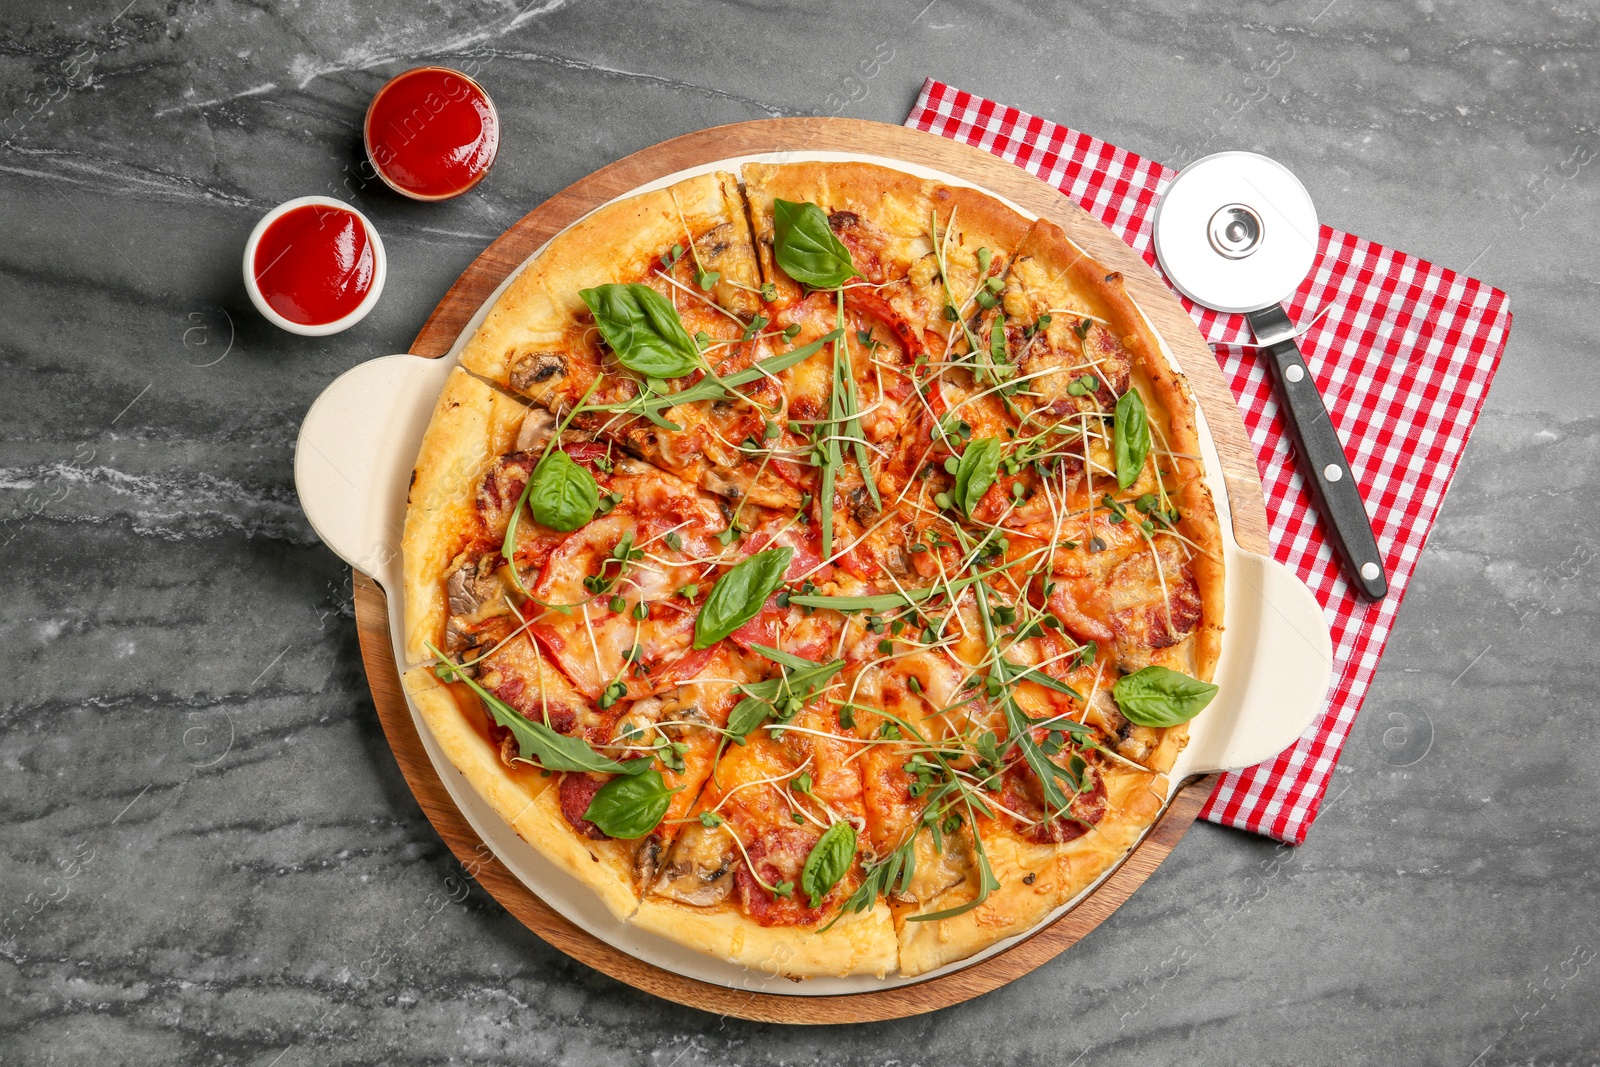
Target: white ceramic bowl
x,y
380,270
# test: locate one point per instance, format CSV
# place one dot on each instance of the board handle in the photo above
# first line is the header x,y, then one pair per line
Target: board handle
x,y
351,487
1273,676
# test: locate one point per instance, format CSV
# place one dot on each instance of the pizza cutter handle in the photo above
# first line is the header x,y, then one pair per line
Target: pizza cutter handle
x,y
1322,455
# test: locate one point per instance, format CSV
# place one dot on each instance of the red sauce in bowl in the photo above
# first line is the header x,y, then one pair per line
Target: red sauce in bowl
x,y
432,133
314,264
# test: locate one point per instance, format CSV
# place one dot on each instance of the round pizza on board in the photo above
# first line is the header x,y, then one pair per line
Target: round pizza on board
x,y
817,563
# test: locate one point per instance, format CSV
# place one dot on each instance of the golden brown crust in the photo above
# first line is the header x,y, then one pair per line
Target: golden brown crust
x,y
895,201
450,711
861,943
524,799
472,425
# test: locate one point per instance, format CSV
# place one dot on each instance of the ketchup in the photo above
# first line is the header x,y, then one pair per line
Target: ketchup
x,y
314,264
432,133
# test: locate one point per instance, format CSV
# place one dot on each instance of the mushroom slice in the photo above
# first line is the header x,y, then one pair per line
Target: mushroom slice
x,y
537,426
699,870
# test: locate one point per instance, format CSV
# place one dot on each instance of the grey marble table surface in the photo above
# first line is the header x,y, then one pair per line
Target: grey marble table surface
x,y
207,853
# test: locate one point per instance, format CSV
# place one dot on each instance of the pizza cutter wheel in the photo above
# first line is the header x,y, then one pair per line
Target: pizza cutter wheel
x,y
1237,232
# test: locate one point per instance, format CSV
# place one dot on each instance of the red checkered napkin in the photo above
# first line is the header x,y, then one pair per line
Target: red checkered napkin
x,y
1404,357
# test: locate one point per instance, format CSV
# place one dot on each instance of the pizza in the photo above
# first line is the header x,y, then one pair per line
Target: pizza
x,y
817,563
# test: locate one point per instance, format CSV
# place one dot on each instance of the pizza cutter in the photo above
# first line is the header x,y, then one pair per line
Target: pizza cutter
x,y
1237,232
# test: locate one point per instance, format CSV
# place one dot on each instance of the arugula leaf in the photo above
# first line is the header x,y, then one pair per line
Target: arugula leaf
x,y
563,495
631,806
787,659
1016,672
1160,696
1020,731
643,329
975,472
829,860
987,884
746,716
850,408
739,595
806,248
1131,437
880,601
830,453
651,405
536,741
780,698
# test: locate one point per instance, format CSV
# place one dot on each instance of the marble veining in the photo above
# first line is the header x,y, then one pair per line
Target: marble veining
x,y
207,854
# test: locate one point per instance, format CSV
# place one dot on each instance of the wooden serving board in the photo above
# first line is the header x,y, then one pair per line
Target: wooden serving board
x,y
507,253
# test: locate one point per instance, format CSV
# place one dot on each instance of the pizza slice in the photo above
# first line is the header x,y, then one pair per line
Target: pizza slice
x,y
1114,481
569,676
896,263
473,425
648,313
1024,805
771,851
1086,453
919,246
690,241
1035,858
993,780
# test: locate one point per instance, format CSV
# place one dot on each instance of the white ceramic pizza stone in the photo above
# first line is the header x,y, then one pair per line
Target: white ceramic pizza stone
x,y
353,467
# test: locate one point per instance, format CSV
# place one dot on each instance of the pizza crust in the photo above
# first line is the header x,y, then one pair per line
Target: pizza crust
x,y
449,711
472,425
857,944
524,799
861,943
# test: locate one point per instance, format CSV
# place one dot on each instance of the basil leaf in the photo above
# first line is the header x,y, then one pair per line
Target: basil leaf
x,y
829,860
881,877
563,495
535,740
643,329
631,806
975,472
1131,438
1157,696
739,594
806,248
